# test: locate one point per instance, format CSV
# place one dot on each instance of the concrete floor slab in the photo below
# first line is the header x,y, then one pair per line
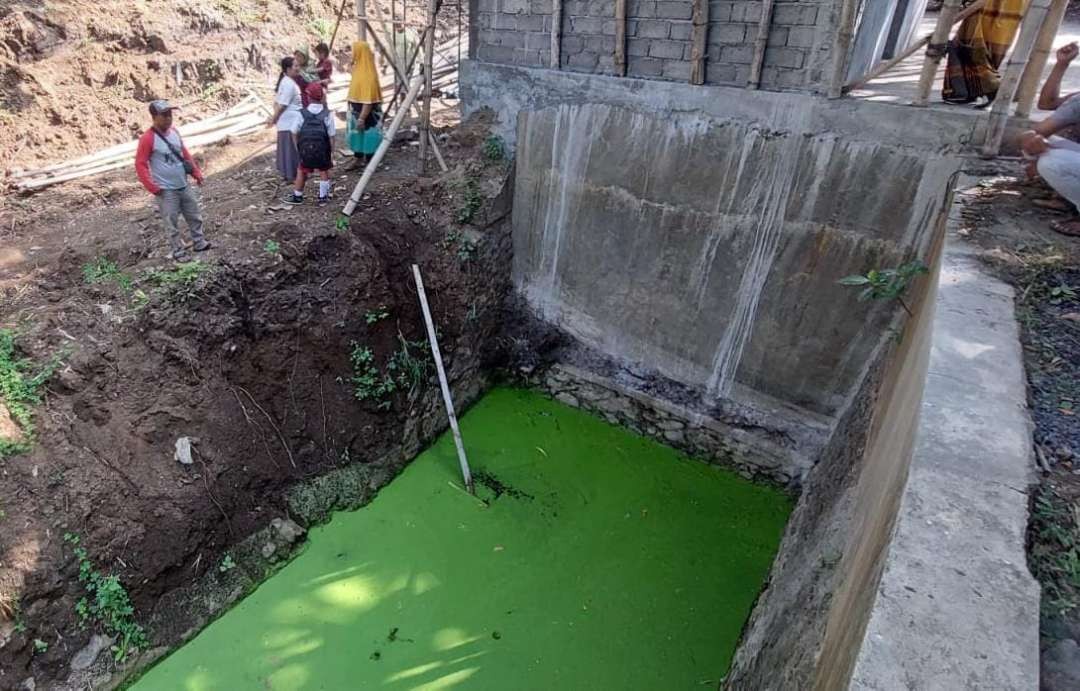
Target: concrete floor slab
x,y
957,607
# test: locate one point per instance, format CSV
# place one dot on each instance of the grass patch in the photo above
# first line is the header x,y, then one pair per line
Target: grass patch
x,y
19,386
102,270
181,282
494,148
464,248
471,202
404,371
107,603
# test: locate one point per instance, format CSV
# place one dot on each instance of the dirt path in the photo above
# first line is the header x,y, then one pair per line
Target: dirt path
x,y
253,352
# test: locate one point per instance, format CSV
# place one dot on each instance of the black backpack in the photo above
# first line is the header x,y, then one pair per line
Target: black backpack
x,y
312,142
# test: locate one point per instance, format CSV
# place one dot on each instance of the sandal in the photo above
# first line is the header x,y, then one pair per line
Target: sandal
x,y
1070,228
181,256
203,246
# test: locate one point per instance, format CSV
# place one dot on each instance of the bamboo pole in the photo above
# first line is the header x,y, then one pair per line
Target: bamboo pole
x,y
620,38
1029,82
388,138
884,67
556,34
760,43
935,51
842,47
429,58
699,30
361,17
448,401
998,118
337,23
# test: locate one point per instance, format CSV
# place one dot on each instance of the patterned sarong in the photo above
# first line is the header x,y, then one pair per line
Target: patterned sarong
x,y
978,49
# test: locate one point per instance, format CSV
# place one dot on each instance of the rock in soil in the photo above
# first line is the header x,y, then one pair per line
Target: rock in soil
x,y
88,655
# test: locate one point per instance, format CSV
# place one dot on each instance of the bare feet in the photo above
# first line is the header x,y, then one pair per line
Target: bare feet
x,y
1052,204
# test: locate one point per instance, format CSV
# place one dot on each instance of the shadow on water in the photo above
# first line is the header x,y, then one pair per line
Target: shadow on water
x,y
599,560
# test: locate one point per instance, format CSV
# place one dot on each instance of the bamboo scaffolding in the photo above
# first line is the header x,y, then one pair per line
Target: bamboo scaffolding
x,y
556,35
998,118
884,67
620,38
1029,82
935,51
429,60
846,26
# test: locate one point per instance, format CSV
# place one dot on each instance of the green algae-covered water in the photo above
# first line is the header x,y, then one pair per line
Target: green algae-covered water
x,y
607,561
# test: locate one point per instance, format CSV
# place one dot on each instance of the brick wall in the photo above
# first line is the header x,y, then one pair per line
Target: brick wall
x,y
518,32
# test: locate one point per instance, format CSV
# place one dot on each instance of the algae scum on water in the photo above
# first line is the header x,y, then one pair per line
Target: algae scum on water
x,y
602,560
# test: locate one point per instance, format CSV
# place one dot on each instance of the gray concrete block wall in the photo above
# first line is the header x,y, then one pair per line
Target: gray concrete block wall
x,y
658,39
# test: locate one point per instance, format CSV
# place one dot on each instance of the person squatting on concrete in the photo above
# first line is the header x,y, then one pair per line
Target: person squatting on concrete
x,y
1055,158
163,164
313,135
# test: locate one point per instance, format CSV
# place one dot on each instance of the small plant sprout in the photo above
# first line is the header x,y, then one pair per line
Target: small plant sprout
x,y
40,646
886,284
1062,293
471,202
227,564
107,603
19,386
272,247
494,148
376,315
101,270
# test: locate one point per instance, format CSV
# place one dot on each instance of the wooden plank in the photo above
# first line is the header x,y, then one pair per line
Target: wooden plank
x,y
998,117
429,59
842,47
698,34
556,34
620,38
936,50
1029,82
761,41
444,386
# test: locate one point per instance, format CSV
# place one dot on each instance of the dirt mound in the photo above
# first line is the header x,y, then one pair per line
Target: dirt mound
x,y
77,77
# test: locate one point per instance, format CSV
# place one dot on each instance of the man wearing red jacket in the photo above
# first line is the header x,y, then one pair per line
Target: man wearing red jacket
x,y
163,164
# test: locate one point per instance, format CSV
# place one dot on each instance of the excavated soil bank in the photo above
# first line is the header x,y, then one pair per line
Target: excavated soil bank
x,y
250,354
596,559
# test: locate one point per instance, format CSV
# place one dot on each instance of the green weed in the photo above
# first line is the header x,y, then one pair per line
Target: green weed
x,y
181,282
376,315
272,246
322,28
40,646
19,392
464,248
101,270
405,371
1062,293
107,603
1054,555
494,148
472,200
886,284
227,564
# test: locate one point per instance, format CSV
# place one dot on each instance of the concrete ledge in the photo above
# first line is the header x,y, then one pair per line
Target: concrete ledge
x,y
956,607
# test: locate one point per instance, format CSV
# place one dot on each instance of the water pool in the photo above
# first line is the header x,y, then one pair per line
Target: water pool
x,y
601,560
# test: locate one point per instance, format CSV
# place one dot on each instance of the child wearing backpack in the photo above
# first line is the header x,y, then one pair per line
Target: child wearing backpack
x,y
313,133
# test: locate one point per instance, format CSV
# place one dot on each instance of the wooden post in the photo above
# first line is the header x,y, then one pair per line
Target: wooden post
x,y
361,19
620,38
448,401
1029,82
935,51
388,139
844,34
760,42
892,62
998,118
429,58
556,35
699,33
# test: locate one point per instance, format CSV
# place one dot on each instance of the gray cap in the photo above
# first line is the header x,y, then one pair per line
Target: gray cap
x,y
161,106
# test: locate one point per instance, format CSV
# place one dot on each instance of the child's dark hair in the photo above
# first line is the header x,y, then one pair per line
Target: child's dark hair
x,y
286,64
323,50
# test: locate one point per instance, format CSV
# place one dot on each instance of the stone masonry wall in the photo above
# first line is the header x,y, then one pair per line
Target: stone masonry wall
x,y
749,452
518,32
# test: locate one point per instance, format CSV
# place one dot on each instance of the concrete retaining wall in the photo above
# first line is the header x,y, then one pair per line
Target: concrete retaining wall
x,y
518,32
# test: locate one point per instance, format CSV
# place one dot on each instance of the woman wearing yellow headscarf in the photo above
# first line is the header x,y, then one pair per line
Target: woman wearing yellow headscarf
x,y
365,104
